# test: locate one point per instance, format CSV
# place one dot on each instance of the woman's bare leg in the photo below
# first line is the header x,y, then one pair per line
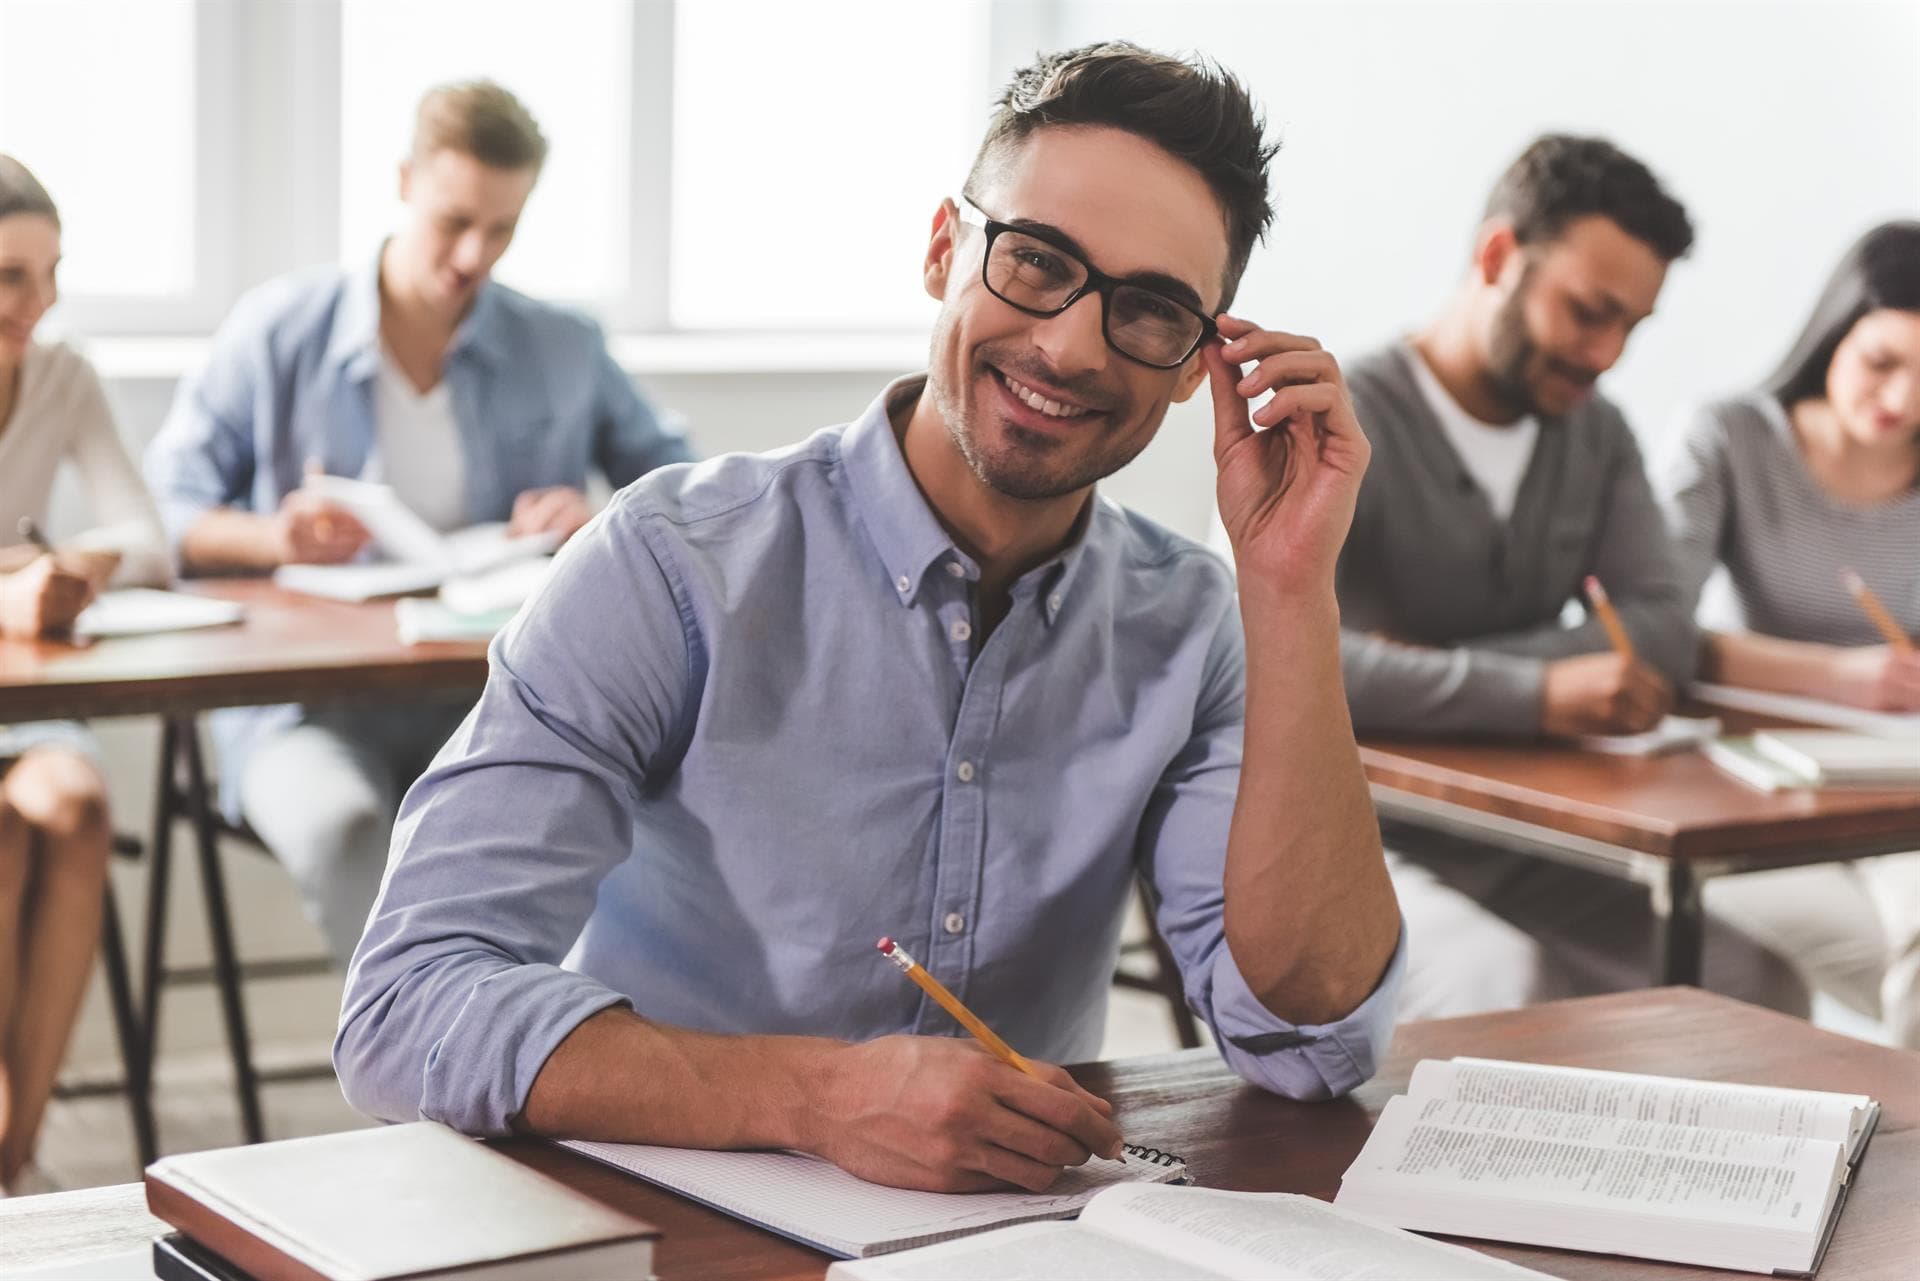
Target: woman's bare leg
x,y
63,799
16,852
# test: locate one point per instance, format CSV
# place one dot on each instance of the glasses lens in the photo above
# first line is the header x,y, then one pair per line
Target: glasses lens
x,y
1032,273
1151,327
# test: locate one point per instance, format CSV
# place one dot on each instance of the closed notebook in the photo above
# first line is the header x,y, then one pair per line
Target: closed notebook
x,y
1837,757
389,1204
821,1205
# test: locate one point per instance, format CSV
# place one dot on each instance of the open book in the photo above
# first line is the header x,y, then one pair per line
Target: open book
x,y
1189,1234
821,1205
1724,1176
417,557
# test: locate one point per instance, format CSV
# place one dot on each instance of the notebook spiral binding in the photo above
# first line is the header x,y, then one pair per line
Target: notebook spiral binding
x,y
1154,1156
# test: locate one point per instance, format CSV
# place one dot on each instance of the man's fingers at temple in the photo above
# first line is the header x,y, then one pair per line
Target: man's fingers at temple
x,y
1290,367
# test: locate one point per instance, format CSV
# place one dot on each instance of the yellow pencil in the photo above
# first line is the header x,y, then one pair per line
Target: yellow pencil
x,y
1871,606
1609,618
967,1019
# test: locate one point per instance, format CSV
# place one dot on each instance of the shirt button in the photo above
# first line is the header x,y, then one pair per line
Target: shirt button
x,y
1053,603
903,582
956,570
964,771
962,629
955,923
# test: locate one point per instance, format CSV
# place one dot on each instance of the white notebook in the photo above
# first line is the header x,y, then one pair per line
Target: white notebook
x,y
1672,734
136,611
1722,1176
1837,757
1149,1233
1809,711
818,1204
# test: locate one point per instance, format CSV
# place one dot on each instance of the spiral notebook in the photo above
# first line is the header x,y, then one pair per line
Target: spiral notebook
x,y
819,1204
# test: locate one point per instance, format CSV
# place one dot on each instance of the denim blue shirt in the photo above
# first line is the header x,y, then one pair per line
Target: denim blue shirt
x,y
747,728
536,399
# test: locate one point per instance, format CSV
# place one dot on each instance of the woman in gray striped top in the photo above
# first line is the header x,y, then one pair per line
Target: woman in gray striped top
x,y
1788,487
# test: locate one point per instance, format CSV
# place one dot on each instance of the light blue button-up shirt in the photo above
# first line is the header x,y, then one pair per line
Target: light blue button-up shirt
x,y
290,379
747,728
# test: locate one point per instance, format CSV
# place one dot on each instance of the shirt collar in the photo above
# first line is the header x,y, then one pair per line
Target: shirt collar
x,y
355,344
906,534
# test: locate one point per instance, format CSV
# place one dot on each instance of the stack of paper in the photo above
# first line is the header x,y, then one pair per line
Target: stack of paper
x,y
1672,734
134,611
1833,758
417,557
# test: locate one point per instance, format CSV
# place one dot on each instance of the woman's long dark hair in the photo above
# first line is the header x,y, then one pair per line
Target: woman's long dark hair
x,y
1881,270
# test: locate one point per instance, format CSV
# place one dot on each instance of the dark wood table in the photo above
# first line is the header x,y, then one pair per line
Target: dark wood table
x,y
1238,1137
1669,822
290,648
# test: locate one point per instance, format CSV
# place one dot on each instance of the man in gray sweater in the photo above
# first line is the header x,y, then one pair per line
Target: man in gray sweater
x,y
1499,482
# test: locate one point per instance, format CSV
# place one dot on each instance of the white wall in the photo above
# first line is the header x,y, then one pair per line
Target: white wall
x,y
1786,128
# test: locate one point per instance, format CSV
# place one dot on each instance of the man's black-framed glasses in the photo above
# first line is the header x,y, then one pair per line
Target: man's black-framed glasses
x,y
1032,274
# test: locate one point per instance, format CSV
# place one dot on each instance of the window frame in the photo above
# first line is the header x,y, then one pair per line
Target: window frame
x,y
267,156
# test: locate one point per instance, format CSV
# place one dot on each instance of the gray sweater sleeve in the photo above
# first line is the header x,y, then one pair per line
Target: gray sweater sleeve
x,y
1697,502
1633,558
1407,689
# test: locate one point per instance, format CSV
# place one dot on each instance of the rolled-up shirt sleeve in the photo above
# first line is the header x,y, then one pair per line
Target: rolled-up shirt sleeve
x,y
203,455
456,995
1183,855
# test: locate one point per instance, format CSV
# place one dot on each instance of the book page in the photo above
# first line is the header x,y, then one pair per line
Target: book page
x,y
1756,1109
1407,1151
1619,1132
1261,1235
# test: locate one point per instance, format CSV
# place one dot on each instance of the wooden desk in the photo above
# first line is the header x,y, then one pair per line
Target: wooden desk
x,y
1238,1137
1668,822
290,648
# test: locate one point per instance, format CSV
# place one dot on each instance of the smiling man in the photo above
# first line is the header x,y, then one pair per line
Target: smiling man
x,y
474,402
914,677
1501,480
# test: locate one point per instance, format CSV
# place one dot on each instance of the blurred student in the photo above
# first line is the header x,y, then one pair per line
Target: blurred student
x,y
1789,486
1500,481
474,402
54,833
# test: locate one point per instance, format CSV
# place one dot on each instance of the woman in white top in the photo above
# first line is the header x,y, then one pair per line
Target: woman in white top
x,y
1789,487
54,831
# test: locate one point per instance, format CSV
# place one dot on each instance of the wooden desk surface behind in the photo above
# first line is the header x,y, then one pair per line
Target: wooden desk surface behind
x,y
1238,1137
1678,806
289,648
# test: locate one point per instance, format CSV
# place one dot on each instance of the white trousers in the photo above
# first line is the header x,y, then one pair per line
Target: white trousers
x,y
1489,930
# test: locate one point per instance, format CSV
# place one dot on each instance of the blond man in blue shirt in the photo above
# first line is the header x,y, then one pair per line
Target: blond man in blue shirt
x,y
475,402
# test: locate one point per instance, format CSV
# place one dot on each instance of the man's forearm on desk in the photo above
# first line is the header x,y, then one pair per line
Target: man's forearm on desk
x,y
621,1078
223,540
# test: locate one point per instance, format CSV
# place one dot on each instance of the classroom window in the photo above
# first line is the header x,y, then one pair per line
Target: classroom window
x,y
809,158
110,134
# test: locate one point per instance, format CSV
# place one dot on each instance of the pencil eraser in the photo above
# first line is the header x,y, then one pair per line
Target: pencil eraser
x,y
886,946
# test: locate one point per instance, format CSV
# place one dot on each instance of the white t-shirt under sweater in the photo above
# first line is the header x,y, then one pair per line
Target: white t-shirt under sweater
x,y
1495,456
60,414
417,448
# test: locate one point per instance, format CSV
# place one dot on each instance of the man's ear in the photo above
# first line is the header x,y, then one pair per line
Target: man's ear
x,y
940,248
1495,250
1192,374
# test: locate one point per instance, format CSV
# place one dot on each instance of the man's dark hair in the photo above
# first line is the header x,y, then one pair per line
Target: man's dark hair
x,y
1560,178
1880,271
1193,109
21,192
